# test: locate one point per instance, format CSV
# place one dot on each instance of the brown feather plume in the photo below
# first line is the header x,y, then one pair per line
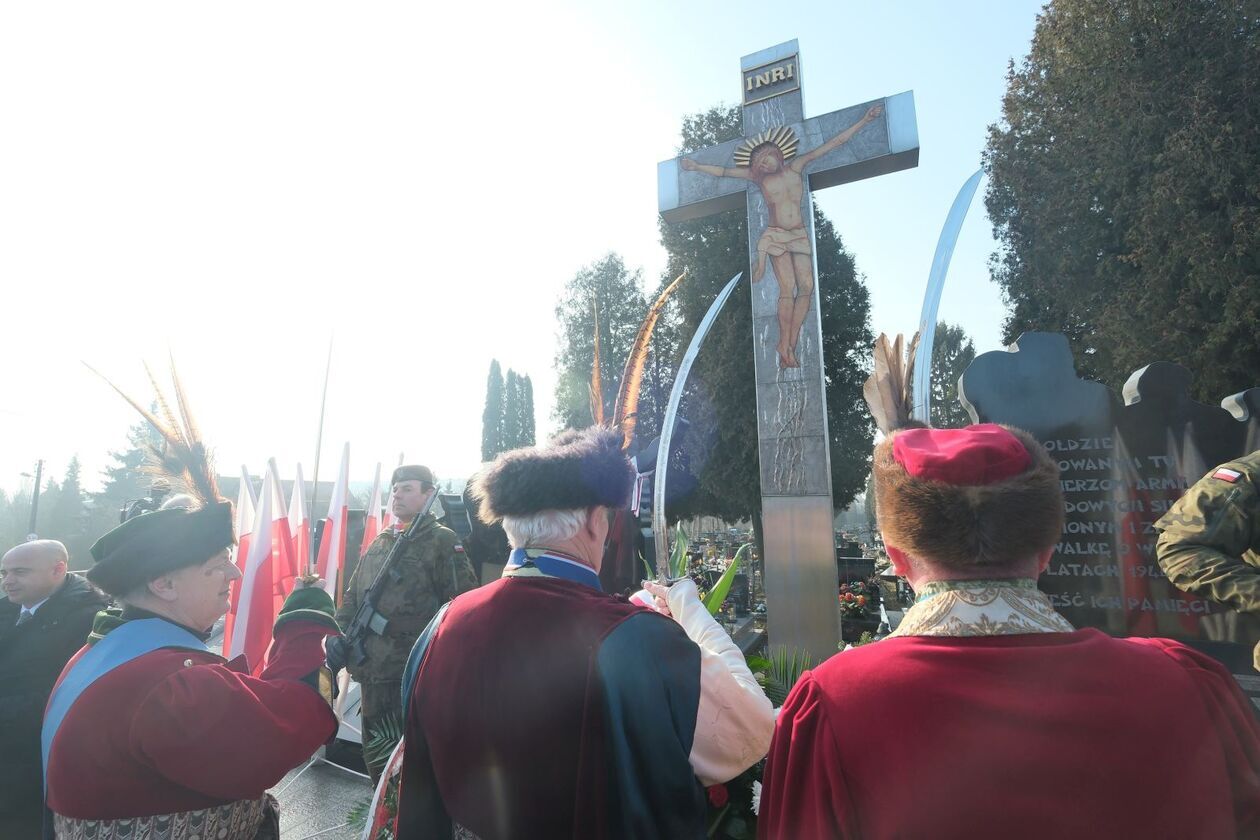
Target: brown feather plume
x,y
888,389
597,384
158,398
182,455
193,434
625,415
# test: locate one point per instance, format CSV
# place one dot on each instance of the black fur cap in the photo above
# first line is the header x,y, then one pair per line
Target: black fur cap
x,y
576,469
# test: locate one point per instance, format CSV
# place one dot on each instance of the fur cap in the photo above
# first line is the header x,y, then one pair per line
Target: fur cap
x,y
970,527
576,469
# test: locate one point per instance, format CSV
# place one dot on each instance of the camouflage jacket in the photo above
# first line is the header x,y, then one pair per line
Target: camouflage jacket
x,y
1209,541
433,570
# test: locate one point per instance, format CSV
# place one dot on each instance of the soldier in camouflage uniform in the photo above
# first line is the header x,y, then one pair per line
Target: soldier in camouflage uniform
x,y
433,570
1209,541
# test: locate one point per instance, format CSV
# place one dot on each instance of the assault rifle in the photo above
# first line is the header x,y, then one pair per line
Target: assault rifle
x,y
367,620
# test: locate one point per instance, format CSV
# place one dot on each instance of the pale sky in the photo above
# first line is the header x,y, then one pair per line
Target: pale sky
x,y
240,182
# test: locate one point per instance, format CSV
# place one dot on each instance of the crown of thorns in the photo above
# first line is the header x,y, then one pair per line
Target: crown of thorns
x,y
782,137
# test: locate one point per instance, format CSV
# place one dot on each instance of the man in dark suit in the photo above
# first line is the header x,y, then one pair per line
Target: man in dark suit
x,y
44,620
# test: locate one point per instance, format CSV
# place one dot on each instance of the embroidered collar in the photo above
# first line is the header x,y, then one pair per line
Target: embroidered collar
x,y
981,608
534,562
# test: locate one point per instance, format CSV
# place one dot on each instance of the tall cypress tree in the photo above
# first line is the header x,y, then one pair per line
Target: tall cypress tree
x,y
528,436
492,416
511,410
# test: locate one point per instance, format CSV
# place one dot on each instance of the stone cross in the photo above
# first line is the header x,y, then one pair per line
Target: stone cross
x,y
772,171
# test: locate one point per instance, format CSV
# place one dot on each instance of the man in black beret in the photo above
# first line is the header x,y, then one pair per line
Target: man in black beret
x,y
147,732
428,571
538,705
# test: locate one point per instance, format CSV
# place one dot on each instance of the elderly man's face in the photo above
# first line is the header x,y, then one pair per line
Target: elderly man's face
x,y
410,498
32,572
201,595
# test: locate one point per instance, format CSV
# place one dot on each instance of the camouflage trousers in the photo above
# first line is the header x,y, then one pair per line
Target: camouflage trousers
x,y
380,710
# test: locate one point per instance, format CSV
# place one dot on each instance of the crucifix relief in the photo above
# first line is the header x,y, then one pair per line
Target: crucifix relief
x,y
766,160
767,172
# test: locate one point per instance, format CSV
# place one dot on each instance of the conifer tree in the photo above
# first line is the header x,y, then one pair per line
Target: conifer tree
x,y
492,416
1124,188
511,410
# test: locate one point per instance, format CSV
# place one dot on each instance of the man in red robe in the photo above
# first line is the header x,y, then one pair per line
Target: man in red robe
x,y
539,706
147,732
986,714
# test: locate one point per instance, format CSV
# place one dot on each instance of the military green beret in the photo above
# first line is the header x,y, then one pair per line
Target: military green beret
x,y
412,472
152,544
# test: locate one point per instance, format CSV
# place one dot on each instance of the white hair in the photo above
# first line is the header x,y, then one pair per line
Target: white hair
x,y
180,500
541,529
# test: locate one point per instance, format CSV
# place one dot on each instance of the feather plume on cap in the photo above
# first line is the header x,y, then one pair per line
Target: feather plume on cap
x,y
182,455
626,407
597,386
888,390
625,415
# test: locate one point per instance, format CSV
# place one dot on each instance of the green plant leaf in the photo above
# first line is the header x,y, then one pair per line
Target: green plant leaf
x,y
713,601
678,556
758,664
786,668
647,570
357,816
379,743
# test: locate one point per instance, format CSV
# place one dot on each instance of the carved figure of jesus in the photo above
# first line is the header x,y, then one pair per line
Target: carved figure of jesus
x,y
785,241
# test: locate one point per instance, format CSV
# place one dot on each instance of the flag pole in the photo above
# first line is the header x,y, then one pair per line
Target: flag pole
x,y
319,442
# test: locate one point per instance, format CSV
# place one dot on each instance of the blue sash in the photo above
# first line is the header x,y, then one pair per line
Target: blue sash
x,y
417,654
552,566
128,641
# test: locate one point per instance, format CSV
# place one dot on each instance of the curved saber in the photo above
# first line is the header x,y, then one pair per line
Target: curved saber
x,y
667,430
921,391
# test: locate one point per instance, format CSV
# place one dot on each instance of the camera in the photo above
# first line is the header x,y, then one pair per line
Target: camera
x,y
158,491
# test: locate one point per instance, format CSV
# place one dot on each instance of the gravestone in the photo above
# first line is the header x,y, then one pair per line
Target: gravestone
x,y
1245,406
771,172
1122,464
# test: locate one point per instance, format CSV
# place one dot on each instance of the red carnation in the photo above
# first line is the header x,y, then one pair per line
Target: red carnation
x,y
718,796
848,596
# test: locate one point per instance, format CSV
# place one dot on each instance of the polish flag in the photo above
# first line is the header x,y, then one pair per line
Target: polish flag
x,y
284,561
372,516
387,516
256,609
244,528
332,545
299,523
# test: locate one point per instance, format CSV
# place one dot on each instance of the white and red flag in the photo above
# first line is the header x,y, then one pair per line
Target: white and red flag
x,y
284,560
299,523
332,545
244,530
387,517
372,515
262,578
